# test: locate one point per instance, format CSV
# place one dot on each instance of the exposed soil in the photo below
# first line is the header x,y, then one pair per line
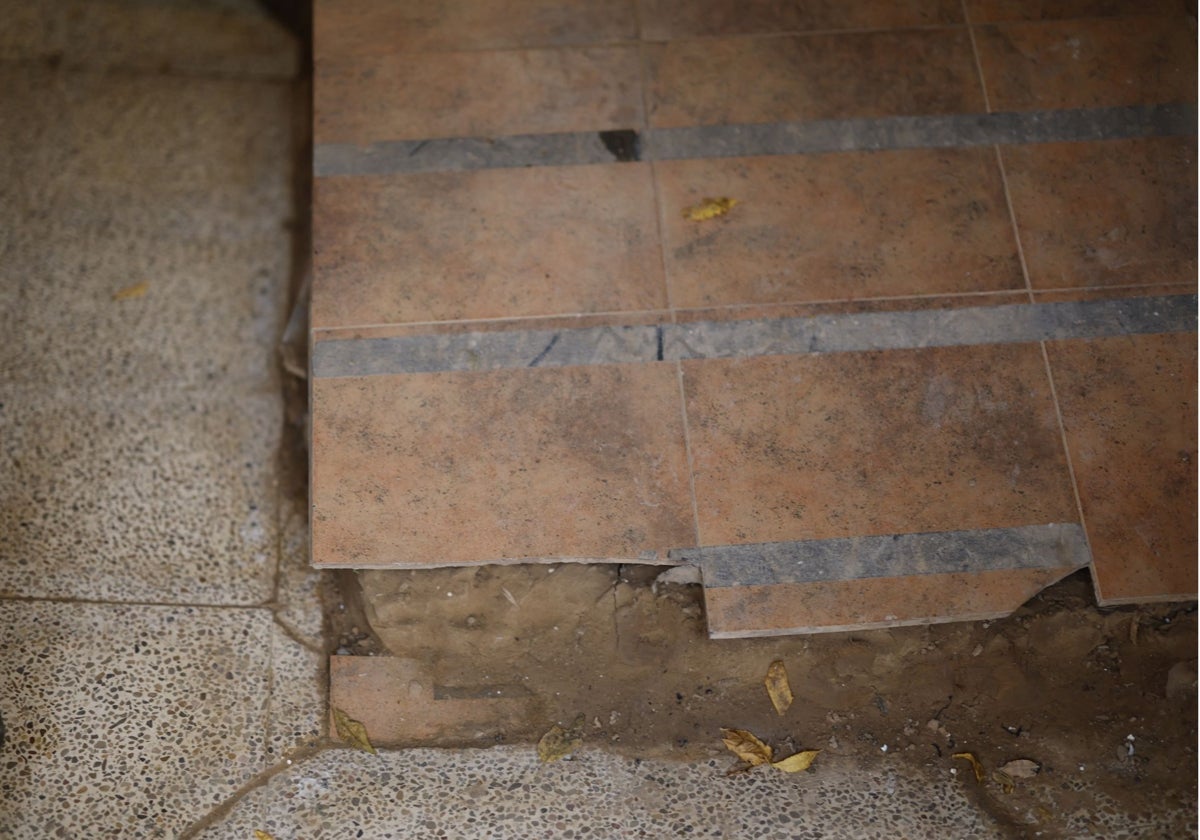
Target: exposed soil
x,y
1103,700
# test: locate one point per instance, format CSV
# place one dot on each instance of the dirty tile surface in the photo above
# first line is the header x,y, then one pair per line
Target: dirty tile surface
x,y
1088,63
403,96
468,245
838,227
378,27
677,19
1121,212
860,444
574,462
1129,409
749,80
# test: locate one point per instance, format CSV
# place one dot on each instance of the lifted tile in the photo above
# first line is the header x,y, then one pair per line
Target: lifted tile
x,y
486,244
400,703
838,227
443,469
1129,408
833,606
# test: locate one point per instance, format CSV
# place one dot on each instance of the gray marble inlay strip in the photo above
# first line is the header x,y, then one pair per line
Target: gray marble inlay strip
x,y
1056,546
485,351
784,138
758,337
476,153
949,131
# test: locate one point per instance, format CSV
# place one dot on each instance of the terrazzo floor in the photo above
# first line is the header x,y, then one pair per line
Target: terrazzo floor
x,y
161,658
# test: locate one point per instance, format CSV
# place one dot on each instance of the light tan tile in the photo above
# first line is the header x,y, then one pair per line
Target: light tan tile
x,y
858,444
460,468
811,77
838,227
1113,213
502,243
417,96
1129,408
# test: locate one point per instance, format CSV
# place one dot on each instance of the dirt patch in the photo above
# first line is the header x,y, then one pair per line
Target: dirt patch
x,y
1103,700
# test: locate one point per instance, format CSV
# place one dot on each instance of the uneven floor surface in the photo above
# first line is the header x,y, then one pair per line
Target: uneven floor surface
x,y
1103,700
161,647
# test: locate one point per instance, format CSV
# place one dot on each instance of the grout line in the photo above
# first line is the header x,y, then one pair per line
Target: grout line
x,y
659,210
1012,218
293,760
101,602
687,445
987,104
1062,430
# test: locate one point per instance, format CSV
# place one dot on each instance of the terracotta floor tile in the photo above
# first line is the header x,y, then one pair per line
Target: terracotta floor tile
x,y
664,20
1088,63
793,448
811,77
832,606
400,703
378,27
838,227
988,11
1113,213
1129,408
418,96
462,468
499,243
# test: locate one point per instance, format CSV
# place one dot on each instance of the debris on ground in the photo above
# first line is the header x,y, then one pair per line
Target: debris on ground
x,y
351,731
778,688
137,290
709,208
559,742
975,765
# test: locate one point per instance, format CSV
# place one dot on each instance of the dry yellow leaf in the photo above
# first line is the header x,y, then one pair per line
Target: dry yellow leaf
x,y
797,763
778,688
975,765
351,731
559,743
745,746
259,834
137,290
1004,780
709,208
1022,768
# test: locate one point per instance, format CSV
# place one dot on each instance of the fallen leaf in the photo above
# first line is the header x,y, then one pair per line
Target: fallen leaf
x,y
776,682
351,731
1021,768
797,763
745,746
262,835
975,765
559,743
137,290
709,208
1004,780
